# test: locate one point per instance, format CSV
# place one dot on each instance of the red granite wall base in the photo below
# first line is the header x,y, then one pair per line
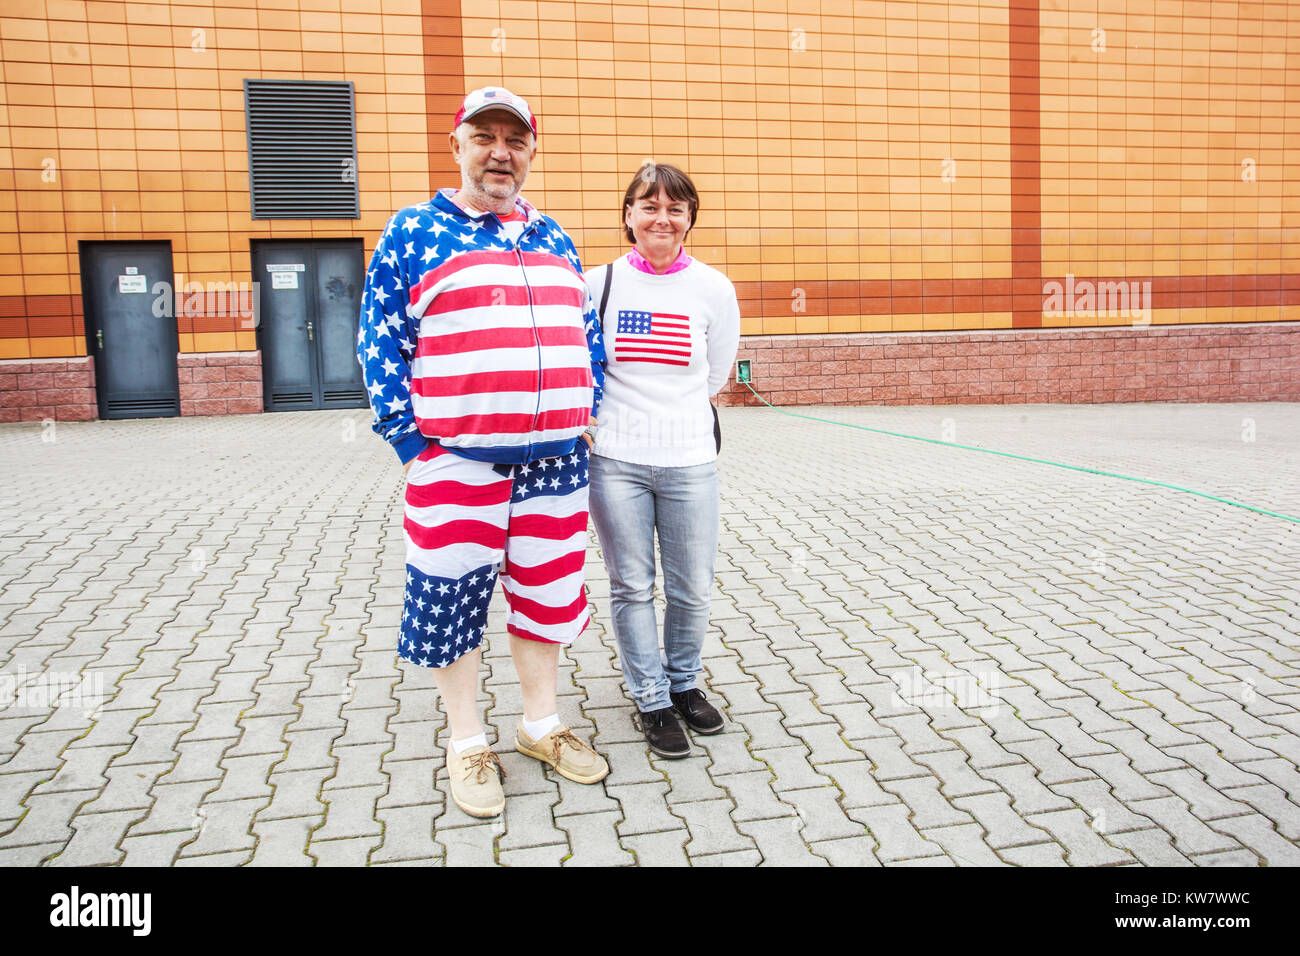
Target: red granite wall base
x,y
1206,363
33,390
220,383
1257,362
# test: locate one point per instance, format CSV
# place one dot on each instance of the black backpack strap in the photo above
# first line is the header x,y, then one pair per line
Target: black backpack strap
x,y
604,296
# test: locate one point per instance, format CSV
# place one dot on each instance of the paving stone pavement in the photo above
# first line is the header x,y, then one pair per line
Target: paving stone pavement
x,y
928,655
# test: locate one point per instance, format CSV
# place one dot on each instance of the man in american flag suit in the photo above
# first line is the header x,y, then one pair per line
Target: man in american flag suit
x,y
482,354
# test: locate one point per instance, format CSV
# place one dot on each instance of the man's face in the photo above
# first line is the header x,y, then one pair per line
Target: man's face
x,y
494,151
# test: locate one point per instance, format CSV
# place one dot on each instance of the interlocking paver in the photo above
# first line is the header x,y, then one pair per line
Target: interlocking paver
x,y
410,782
555,854
825,744
1273,802
781,843
83,769
349,813
112,728
1035,854
528,821
889,759
408,834
792,769
1227,858
358,765
1003,826
953,771
1151,847
283,842
154,849
644,808
734,858
712,828
964,844
1144,708
661,848
31,855
1258,833
929,808
308,750
1190,834
96,838
1073,830
224,827
898,839
594,841
350,851
851,851
820,814
46,818
472,846
199,760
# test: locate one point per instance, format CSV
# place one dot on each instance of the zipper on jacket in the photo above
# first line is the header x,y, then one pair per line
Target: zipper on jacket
x,y
537,342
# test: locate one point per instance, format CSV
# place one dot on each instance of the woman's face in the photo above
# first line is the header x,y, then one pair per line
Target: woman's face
x,y
659,224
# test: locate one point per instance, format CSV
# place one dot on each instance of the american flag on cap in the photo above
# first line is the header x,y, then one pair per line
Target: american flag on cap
x,y
495,97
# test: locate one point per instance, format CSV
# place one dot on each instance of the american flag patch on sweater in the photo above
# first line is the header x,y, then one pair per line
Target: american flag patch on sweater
x,y
658,337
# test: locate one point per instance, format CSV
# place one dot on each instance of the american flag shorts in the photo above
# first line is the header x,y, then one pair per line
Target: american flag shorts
x,y
466,523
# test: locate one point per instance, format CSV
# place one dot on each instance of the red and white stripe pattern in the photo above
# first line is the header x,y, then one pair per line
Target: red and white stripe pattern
x,y
502,359
462,519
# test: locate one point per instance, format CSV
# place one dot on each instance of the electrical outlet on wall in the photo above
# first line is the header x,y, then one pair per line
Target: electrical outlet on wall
x,y
742,371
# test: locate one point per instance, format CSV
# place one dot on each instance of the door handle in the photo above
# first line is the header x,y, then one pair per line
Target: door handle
x,y
99,338
308,331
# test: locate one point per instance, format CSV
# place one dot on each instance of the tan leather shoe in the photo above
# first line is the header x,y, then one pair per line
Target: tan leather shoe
x,y
566,753
475,779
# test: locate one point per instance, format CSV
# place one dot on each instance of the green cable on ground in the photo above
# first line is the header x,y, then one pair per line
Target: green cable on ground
x,y
1037,461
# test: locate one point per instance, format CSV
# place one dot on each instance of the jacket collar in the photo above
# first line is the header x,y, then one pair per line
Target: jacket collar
x,y
442,200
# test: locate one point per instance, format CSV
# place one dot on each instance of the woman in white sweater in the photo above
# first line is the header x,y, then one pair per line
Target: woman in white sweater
x,y
671,327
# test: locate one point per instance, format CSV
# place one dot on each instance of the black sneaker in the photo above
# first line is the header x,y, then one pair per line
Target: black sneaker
x,y
664,734
701,716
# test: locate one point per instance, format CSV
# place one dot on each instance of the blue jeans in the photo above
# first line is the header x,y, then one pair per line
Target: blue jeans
x,y
628,504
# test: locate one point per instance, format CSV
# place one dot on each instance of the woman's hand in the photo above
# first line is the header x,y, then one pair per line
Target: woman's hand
x,y
587,435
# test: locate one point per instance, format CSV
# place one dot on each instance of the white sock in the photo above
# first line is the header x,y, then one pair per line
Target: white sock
x,y
478,740
537,729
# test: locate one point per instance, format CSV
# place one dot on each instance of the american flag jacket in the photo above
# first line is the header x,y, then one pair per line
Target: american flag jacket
x,y
490,346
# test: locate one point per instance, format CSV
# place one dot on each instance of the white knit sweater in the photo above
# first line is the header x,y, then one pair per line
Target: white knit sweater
x,y
670,341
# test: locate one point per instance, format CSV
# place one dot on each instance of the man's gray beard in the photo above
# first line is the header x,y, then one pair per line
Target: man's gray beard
x,y
481,187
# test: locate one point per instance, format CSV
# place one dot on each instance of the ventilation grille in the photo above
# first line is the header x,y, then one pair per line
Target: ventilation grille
x,y
302,149
292,399
142,407
349,396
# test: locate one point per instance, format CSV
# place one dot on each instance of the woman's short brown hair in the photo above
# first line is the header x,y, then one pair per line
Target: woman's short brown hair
x,y
647,182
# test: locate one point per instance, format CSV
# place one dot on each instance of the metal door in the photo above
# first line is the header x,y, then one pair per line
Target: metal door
x,y
310,295
340,270
134,344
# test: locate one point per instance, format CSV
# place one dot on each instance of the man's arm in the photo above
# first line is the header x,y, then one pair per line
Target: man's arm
x,y
596,346
386,348
591,326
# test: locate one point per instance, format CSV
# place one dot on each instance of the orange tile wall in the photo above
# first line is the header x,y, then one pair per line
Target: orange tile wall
x,y
817,139
858,161
126,121
1149,111
862,152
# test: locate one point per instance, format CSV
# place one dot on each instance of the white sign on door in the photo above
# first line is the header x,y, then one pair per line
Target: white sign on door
x,y
133,283
284,280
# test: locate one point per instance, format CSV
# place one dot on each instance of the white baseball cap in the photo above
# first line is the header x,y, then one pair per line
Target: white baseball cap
x,y
495,97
